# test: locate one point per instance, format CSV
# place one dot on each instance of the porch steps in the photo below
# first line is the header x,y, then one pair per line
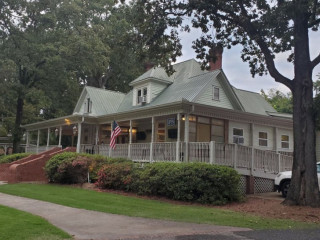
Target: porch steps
x,y
29,169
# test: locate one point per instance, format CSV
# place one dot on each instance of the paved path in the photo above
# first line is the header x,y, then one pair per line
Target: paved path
x,y
84,224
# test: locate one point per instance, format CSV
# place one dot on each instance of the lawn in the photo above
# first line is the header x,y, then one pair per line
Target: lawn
x,y
19,225
132,206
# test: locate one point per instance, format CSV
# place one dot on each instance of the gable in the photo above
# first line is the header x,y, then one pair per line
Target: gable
x,y
102,101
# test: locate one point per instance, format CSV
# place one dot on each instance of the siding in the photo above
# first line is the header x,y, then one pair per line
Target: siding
x,y
206,96
318,146
246,131
156,88
269,131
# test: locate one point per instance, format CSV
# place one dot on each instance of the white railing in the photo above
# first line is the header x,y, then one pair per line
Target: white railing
x,y
164,152
120,151
199,152
247,160
140,152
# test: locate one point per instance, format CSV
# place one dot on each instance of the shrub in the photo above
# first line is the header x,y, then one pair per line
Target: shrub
x,y
13,157
70,167
196,182
116,174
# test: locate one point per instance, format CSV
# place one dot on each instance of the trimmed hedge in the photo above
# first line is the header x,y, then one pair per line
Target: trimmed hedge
x,y
70,167
194,182
13,157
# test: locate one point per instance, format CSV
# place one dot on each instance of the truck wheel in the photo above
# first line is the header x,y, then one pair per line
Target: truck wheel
x,y
284,188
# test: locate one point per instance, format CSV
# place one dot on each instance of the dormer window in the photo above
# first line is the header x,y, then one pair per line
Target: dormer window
x,y
142,95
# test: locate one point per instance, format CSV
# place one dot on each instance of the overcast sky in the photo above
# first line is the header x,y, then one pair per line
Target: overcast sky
x,y
238,72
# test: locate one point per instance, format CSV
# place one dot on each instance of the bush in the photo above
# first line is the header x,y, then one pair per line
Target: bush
x,y
195,182
13,157
70,167
116,174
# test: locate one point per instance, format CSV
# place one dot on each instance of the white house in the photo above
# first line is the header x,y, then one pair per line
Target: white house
x,y
192,115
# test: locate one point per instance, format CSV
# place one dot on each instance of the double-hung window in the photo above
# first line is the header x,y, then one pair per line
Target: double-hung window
x,y
263,139
142,95
238,136
284,141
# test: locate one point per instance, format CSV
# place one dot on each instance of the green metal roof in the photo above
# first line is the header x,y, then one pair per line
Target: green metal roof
x,y
103,101
253,102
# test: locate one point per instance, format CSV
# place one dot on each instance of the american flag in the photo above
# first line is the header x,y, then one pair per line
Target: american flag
x,y
115,132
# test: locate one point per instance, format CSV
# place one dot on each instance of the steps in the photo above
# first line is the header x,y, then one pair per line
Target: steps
x,y
29,169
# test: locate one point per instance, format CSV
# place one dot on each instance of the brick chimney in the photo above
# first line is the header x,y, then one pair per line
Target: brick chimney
x,y
215,57
148,66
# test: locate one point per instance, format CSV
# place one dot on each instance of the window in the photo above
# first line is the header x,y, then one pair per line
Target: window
x,y
238,136
284,141
142,95
215,93
217,130
263,139
89,105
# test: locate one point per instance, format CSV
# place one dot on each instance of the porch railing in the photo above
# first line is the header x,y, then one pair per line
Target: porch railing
x,y
248,160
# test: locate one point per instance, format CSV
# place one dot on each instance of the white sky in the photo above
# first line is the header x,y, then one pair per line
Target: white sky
x,y
238,72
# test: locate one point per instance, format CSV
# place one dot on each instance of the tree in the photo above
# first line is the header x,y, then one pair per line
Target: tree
x,y
45,44
264,29
278,100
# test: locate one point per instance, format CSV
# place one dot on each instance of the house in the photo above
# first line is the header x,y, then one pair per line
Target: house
x,y
192,115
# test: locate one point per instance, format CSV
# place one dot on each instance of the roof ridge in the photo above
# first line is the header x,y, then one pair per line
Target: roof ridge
x,y
106,90
217,70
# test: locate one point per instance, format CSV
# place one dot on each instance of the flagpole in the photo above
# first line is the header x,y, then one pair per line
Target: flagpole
x,y
110,148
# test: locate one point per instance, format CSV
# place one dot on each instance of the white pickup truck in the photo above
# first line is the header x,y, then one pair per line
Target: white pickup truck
x,y
283,179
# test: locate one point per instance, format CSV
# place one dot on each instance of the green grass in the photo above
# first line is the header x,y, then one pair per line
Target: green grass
x,y
15,224
131,206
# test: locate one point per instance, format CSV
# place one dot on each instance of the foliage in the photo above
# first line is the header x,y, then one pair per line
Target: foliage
x,y
13,157
115,175
266,30
70,167
140,207
281,102
194,182
30,226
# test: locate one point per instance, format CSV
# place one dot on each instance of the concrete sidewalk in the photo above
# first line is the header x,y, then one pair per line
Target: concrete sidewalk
x,y
84,224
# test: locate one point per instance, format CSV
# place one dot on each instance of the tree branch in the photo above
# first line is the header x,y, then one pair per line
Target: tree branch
x,y
315,61
254,34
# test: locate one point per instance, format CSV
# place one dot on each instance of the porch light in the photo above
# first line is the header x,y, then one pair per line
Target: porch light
x,y
67,121
183,118
74,130
56,131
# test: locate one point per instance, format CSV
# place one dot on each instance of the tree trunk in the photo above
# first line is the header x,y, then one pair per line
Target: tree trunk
x,y
17,131
304,188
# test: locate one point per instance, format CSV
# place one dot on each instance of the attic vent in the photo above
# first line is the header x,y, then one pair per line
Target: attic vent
x,y
89,106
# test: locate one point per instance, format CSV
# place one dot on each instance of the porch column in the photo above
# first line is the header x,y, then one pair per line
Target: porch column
x,y
79,138
152,139
97,135
60,136
178,138
252,134
186,137
275,139
38,140
48,138
130,140
27,138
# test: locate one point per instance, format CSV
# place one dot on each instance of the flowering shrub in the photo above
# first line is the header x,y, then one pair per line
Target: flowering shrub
x,y
70,167
116,175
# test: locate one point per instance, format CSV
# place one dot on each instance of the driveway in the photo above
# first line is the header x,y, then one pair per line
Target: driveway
x,y
84,224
